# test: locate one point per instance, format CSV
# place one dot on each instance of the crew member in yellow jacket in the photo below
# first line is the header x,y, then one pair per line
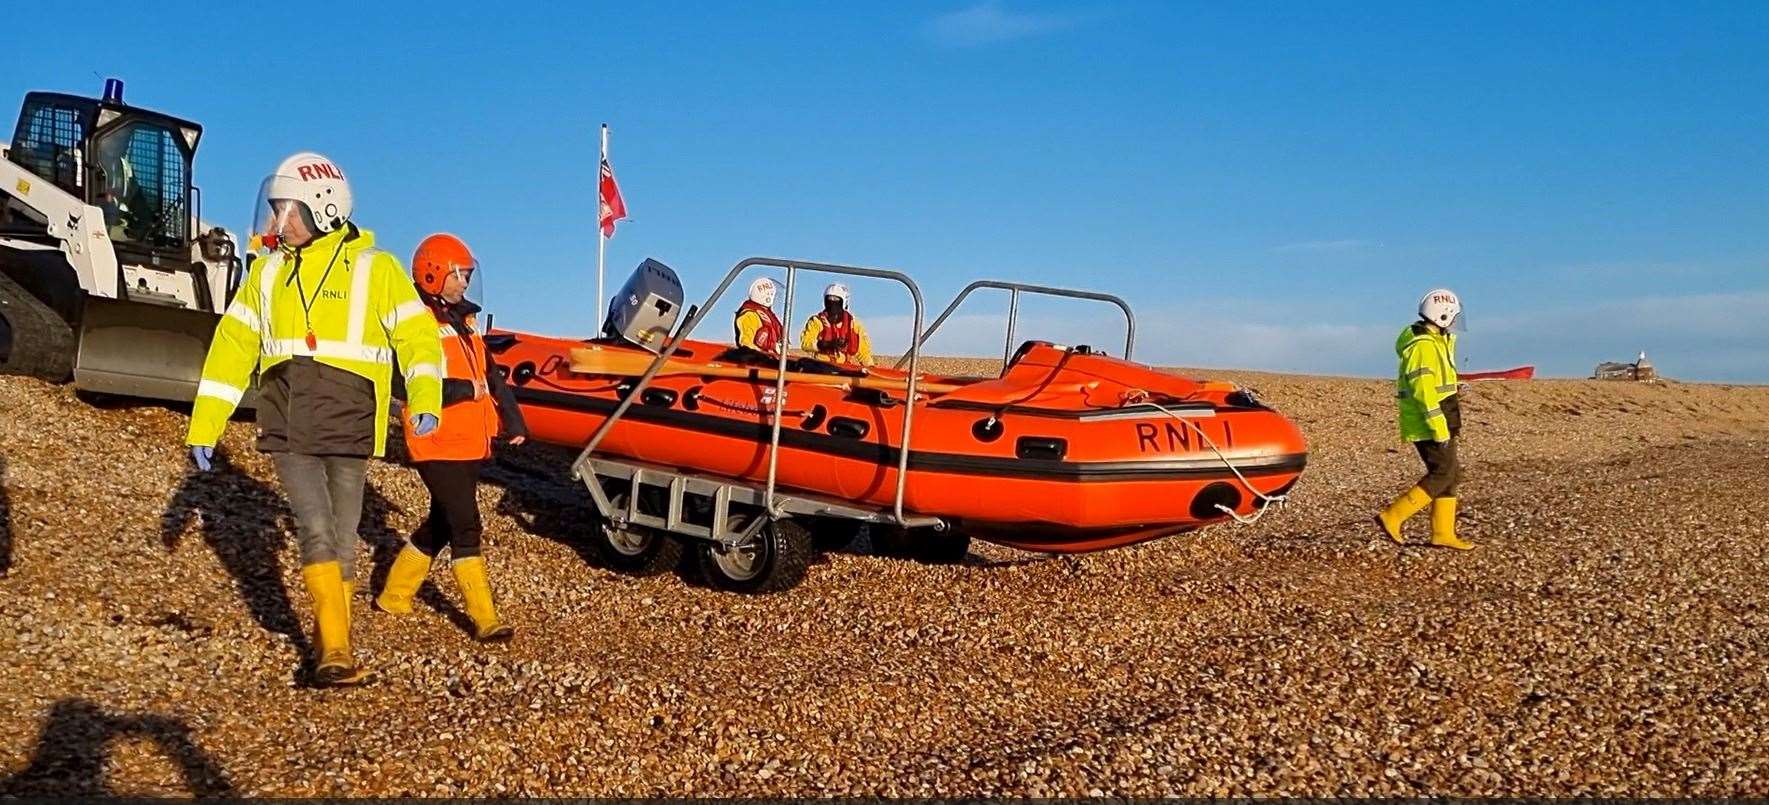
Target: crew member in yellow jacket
x,y
835,335
756,326
1430,417
320,318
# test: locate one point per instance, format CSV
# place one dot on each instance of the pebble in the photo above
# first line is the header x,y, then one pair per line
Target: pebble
x,y
1606,639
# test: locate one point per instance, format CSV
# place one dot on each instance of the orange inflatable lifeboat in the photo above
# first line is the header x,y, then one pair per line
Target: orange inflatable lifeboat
x,y
1068,450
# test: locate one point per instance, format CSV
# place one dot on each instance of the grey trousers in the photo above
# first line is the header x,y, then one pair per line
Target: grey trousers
x,y
326,494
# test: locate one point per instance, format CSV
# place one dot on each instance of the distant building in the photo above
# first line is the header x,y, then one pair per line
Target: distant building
x,y
1641,370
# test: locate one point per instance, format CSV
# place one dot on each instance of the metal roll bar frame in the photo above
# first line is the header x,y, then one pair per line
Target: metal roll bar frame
x,y
1014,290
698,314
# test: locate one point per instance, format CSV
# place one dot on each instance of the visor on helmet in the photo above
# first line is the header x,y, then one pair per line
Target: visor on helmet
x,y
278,220
469,281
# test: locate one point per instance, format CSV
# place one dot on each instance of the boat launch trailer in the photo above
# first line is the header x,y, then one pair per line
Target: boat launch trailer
x,y
753,536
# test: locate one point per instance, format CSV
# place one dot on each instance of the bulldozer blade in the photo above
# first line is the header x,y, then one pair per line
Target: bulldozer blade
x,y
138,349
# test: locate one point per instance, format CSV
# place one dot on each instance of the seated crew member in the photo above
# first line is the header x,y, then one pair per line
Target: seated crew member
x,y
757,326
834,334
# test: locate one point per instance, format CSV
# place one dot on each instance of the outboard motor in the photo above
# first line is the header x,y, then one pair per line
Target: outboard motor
x,y
645,309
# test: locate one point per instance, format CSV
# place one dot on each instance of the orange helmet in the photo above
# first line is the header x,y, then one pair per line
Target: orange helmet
x,y
437,257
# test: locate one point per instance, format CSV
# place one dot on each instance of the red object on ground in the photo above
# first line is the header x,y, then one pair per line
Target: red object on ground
x,y
1520,373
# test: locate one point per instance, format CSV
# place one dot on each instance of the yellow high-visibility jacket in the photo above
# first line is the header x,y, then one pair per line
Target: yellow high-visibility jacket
x,y
1427,378
363,313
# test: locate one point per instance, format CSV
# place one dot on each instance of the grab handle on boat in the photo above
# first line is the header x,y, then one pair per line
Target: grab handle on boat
x,y
1048,448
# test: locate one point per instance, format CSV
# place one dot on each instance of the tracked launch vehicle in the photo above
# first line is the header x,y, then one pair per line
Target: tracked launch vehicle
x,y
109,276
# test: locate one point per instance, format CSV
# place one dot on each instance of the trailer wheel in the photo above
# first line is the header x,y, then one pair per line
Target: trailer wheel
x,y
889,540
942,547
774,561
635,549
835,533
927,545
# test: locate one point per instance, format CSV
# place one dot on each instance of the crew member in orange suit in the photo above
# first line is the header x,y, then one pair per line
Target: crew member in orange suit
x,y
477,408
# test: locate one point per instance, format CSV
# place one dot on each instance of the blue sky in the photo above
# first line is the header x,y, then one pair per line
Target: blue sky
x,y
1271,185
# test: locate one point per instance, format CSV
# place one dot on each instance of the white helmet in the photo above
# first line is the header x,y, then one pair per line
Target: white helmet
x,y
837,290
315,184
762,291
1441,307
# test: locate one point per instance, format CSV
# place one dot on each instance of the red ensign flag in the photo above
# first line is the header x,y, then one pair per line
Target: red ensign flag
x,y
613,208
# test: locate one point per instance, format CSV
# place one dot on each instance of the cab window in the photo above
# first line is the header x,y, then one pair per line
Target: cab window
x,y
140,181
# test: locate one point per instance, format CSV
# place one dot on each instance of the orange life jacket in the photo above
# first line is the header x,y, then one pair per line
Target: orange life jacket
x,y
468,425
837,336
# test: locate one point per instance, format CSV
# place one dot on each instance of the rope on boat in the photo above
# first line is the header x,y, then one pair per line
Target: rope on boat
x,y
543,380
1265,501
551,366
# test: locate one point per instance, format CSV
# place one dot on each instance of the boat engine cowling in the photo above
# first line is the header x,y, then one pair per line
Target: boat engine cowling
x,y
645,309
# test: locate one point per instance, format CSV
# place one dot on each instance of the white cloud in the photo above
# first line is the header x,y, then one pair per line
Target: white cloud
x,y
1261,336
1712,337
1618,273
1240,335
1320,246
988,23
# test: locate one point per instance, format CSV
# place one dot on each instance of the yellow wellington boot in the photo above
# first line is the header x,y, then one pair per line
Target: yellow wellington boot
x,y
409,570
1443,525
476,591
331,615
1392,518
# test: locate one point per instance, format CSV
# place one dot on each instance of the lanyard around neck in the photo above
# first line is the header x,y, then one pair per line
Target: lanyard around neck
x,y
301,291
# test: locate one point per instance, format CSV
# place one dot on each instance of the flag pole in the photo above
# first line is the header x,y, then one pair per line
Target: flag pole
x,y
601,240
